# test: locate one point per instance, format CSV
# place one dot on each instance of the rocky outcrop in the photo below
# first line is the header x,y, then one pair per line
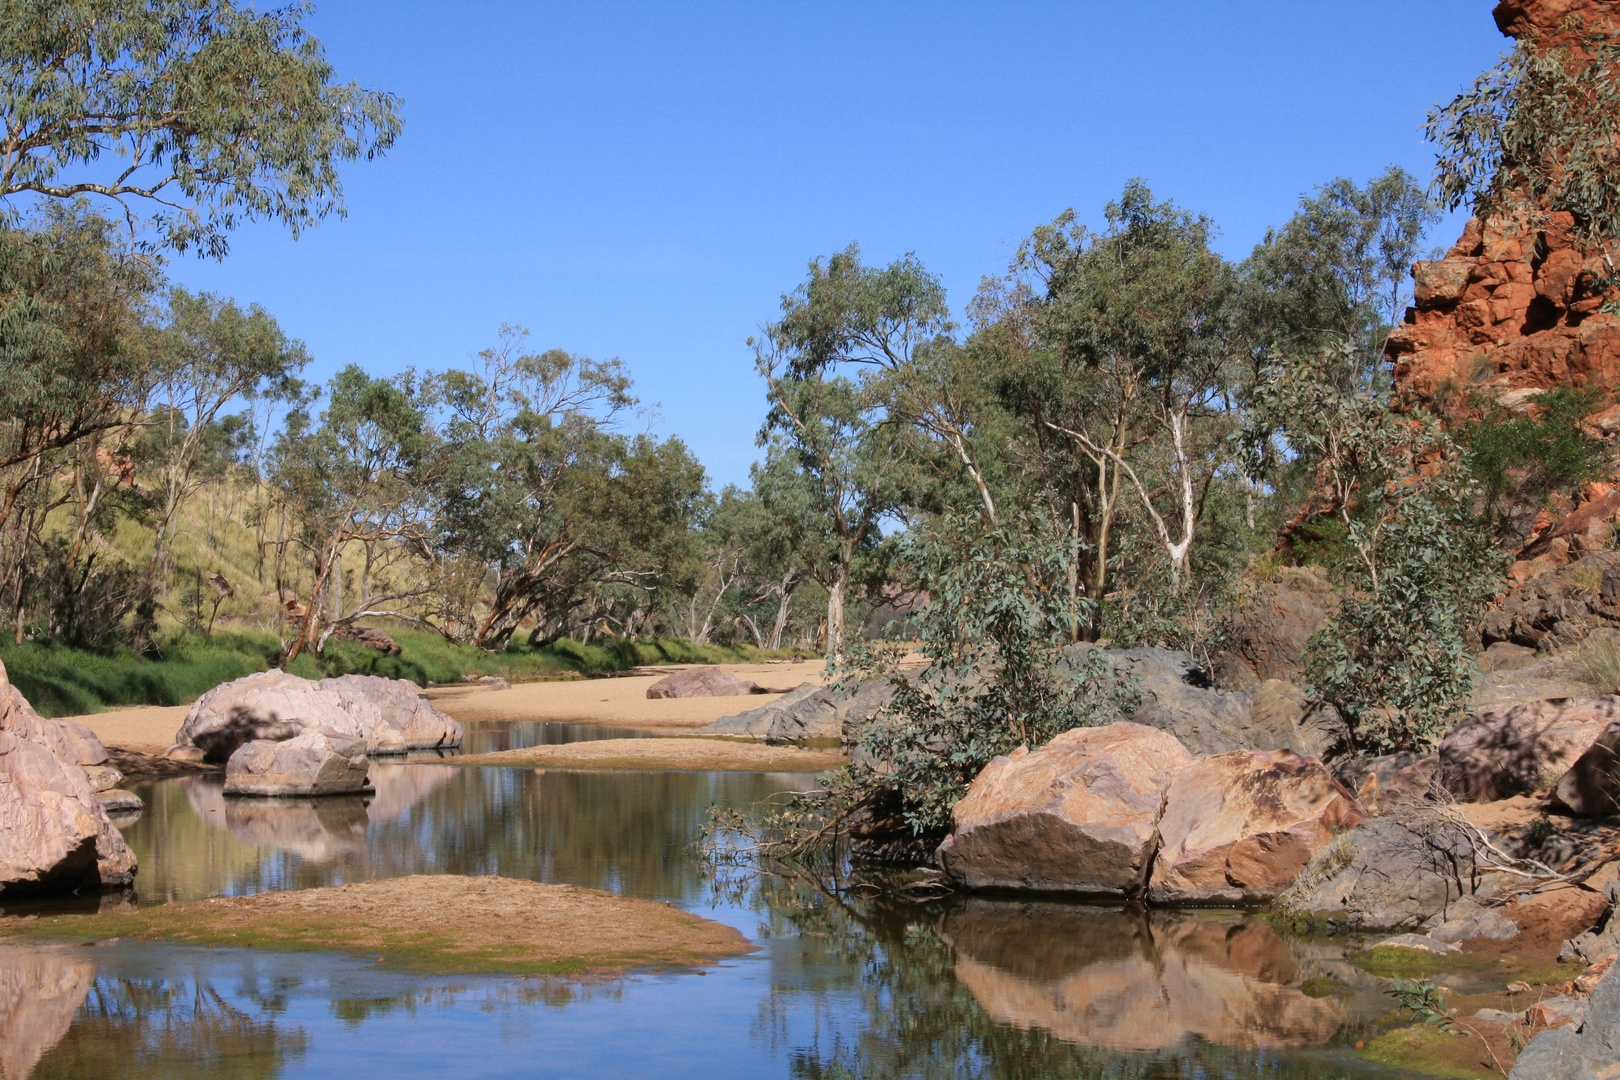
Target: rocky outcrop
x,y
1589,1052
701,682
1238,828
1180,698
1080,815
87,749
1517,749
266,706
54,833
1591,787
1266,635
1389,873
1560,606
400,704
808,713
320,761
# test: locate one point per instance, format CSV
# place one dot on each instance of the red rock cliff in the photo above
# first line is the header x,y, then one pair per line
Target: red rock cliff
x,y
1513,307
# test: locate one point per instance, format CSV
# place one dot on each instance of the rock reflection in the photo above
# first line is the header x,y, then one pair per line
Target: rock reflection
x,y
40,991
1137,981
400,787
316,830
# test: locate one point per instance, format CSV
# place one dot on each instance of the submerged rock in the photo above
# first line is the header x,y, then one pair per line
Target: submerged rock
x,y
54,833
1517,749
321,761
1079,815
700,682
1238,828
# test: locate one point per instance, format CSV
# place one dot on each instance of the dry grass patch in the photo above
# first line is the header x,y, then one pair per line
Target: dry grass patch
x,y
437,923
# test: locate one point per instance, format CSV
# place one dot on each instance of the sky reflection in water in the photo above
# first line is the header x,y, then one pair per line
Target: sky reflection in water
x,y
971,988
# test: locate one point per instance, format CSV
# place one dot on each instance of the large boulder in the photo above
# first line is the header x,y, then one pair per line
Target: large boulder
x,y
1516,749
421,725
1079,815
54,833
266,706
1591,787
1266,636
87,748
700,682
320,761
1589,1052
1388,874
1238,828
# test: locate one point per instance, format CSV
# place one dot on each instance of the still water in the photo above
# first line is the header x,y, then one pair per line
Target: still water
x,y
839,987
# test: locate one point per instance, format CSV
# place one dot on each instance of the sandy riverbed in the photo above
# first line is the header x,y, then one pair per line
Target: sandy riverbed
x,y
620,701
498,925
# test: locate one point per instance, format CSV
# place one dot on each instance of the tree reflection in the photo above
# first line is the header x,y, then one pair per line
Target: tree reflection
x,y
157,1028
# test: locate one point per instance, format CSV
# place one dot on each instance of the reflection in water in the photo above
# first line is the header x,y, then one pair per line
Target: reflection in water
x,y
863,988
1137,981
40,990
491,736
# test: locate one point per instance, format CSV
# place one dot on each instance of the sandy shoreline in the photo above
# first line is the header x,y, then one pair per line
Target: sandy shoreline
x,y
620,700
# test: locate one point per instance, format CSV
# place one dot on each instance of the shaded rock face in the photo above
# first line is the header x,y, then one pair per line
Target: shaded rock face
x,y
1266,638
1508,750
1178,697
700,682
1591,1052
1237,828
809,712
1132,981
41,989
1400,871
1591,787
1387,783
269,705
54,832
1080,815
420,724
368,636
321,761
1560,607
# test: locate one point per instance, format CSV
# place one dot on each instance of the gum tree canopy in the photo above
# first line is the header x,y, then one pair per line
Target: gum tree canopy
x,y
193,115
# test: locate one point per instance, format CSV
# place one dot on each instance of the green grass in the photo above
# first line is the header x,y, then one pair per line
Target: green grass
x,y
59,681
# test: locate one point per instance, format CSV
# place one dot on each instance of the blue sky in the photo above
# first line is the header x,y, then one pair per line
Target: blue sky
x,y
645,181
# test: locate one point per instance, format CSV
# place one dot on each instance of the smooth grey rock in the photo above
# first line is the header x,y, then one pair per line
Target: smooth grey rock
x,y
86,745
1404,871
1589,1052
419,722
268,706
104,777
322,761
1602,941
1468,919
809,712
120,802
1498,1016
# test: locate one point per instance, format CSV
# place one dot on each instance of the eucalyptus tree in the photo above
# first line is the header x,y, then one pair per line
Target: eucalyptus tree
x,y
544,499
1136,335
362,474
848,437
208,354
191,116
72,368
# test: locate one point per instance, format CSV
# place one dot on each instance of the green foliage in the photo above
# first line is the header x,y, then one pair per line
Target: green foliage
x,y
212,114
1532,455
1396,658
1423,1000
1542,127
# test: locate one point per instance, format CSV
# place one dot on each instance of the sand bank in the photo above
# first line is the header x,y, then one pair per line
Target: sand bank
x,y
708,755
